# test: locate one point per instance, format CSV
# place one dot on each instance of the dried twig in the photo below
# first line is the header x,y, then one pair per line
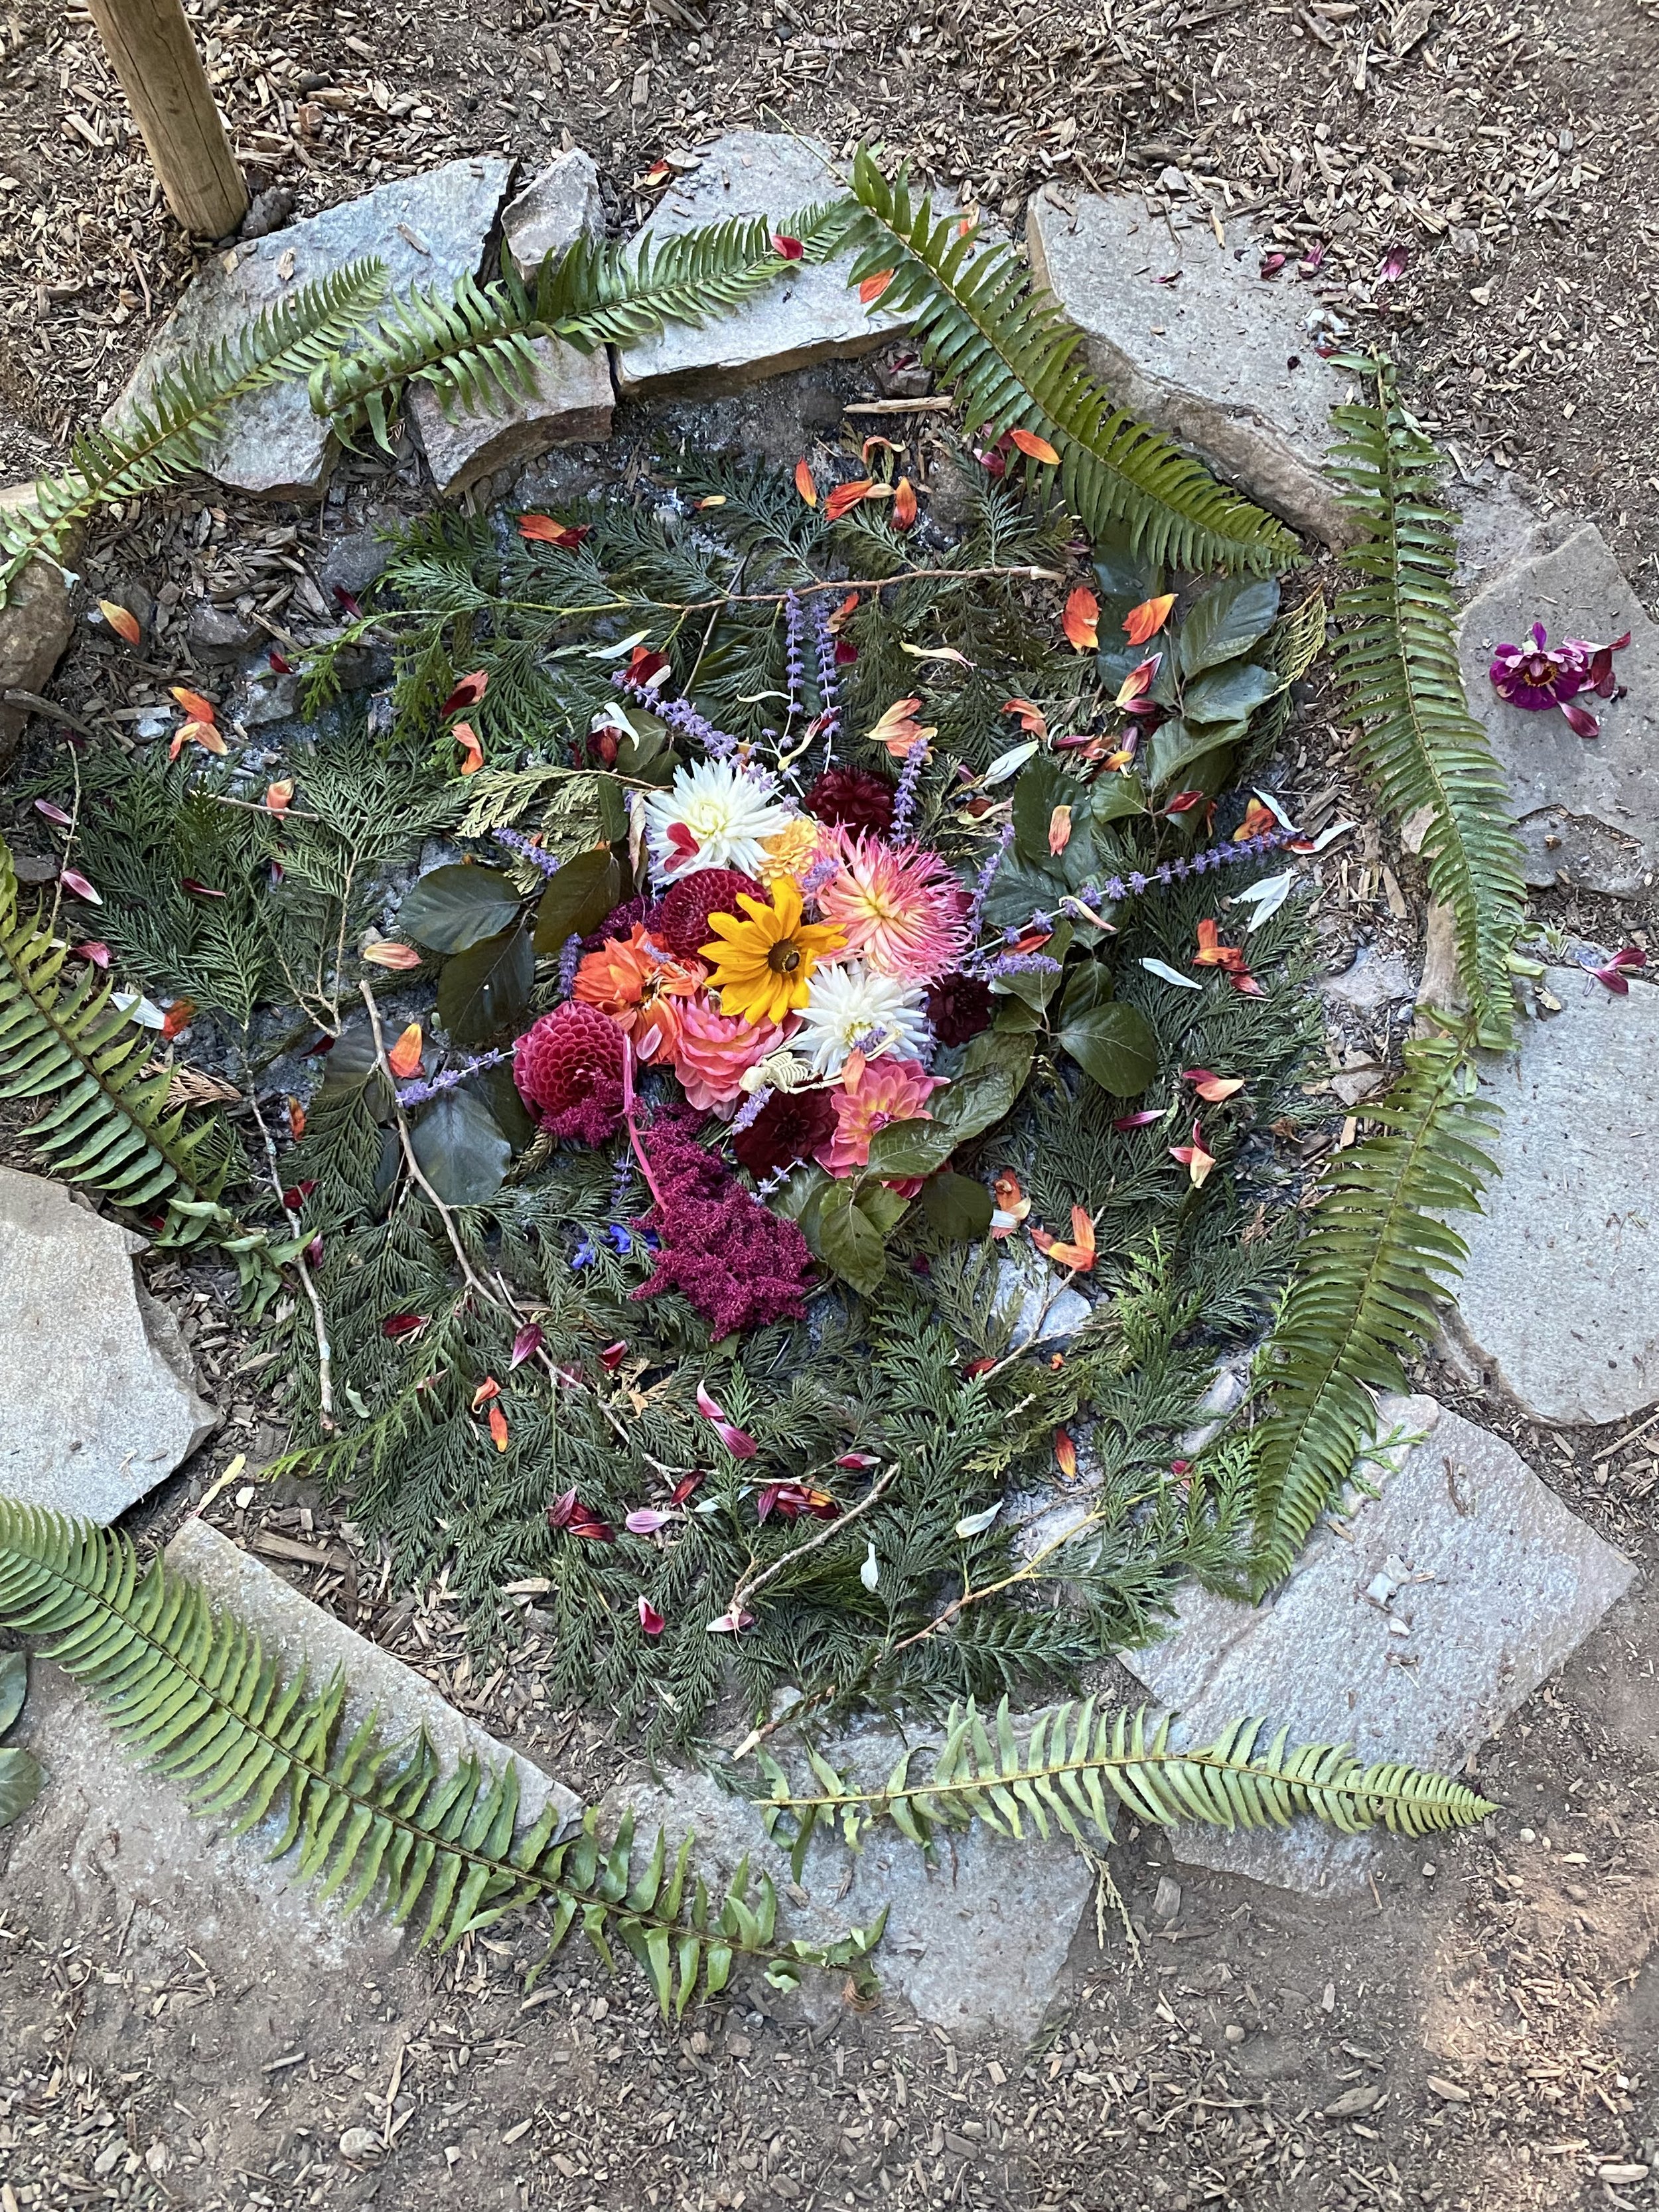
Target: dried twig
x,y
750,1583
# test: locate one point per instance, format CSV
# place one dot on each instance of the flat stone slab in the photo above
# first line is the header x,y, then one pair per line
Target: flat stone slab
x,y
573,399
1454,1593
428,229
807,314
1588,808
34,631
1559,1299
1218,359
97,1396
975,1944
107,1839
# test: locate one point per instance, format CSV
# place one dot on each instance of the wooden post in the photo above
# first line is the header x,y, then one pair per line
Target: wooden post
x,y
155,55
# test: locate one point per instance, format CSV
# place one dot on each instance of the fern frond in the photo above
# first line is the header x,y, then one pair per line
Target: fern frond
x,y
475,344
1074,1767
108,1125
1396,662
1367,1276
1014,361
169,432
193,1693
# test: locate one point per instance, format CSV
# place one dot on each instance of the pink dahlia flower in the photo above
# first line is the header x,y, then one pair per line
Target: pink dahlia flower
x,y
569,1068
715,1051
903,909
886,1090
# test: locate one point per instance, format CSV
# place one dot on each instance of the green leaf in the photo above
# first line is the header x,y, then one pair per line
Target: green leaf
x,y
1231,693
1036,986
20,1783
849,1242
485,990
885,1208
578,899
1226,622
993,1072
1114,1044
461,1149
1114,797
456,906
1176,751
1041,785
1020,888
903,1149
958,1206
14,1687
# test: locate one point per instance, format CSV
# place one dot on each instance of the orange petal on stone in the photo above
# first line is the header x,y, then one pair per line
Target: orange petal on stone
x,y
806,483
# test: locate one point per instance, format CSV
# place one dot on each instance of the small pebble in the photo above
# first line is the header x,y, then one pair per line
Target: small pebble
x,y
1233,2032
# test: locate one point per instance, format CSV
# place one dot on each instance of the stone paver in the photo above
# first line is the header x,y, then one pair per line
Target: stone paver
x,y
1218,360
975,1944
1458,1590
97,1396
108,1840
428,229
573,399
1588,808
1044,1311
35,630
1559,1299
808,314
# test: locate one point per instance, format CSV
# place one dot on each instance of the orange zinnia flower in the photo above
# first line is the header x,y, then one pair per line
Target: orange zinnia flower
x,y
641,986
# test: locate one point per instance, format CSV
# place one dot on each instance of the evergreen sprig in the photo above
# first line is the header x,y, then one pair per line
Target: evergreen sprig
x,y
1013,360
1397,661
193,1691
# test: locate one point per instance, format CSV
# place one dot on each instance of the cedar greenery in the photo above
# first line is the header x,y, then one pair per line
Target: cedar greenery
x,y
170,431
194,1693
1072,1766
1397,661
108,1124
476,346
1013,360
1367,1276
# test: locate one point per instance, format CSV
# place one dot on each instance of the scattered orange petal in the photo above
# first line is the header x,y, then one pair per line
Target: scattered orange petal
x,y
472,751
387,952
1078,1253
204,735
489,1388
197,708
297,1120
1081,620
806,483
904,504
1212,1089
279,796
542,529
178,1018
843,614
874,286
405,1057
1195,1159
846,497
1035,449
1212,953
1060,831
1258,821
124,624
1148,619
1138,682
498,1428
1032,719
1066,1455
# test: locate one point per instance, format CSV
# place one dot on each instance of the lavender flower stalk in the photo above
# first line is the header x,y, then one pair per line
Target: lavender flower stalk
x,y
1175,871
904,799
680,715
794,622
986,875
417,1093
751,1109
527,850
570,953
828,677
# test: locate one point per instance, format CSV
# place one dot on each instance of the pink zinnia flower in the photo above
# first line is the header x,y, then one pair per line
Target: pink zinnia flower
x,y
903,908
714,1052
885,1090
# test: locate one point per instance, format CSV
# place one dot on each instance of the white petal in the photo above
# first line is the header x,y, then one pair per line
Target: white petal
x,y
1162,967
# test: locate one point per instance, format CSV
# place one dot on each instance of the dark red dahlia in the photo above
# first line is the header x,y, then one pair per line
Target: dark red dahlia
x,y
620,921
959,1006
854,798
790,1126
739,1264
569,1068
682,921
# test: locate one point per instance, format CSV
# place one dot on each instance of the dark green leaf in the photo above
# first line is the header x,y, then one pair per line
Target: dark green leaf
x,y
903,1149
495,1086
1020,888
1088,986
794,1196
956,1206
1036,986
456,906
1229,694
1116,797
1227,622
613,809
14,1687
21,1780
849,1242
578,899
1040,786
461,1149
979,1096
1114,1044
485,990
885,1208
1176,751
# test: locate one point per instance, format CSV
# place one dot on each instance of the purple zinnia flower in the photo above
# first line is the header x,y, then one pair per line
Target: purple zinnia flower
x,y
1542,675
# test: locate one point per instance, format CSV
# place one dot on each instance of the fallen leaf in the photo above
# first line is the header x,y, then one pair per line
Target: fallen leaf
x,y
1081,620
1035,449
1148,619
405,1057
121,621
806,483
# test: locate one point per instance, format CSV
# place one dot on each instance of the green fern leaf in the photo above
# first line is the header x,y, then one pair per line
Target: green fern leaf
x,y
167,433
191,1690
1076,1767
108,1125
1367,1276
1397,665
1014,361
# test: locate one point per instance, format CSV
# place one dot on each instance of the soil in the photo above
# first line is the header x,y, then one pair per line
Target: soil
x,y
1477,2033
